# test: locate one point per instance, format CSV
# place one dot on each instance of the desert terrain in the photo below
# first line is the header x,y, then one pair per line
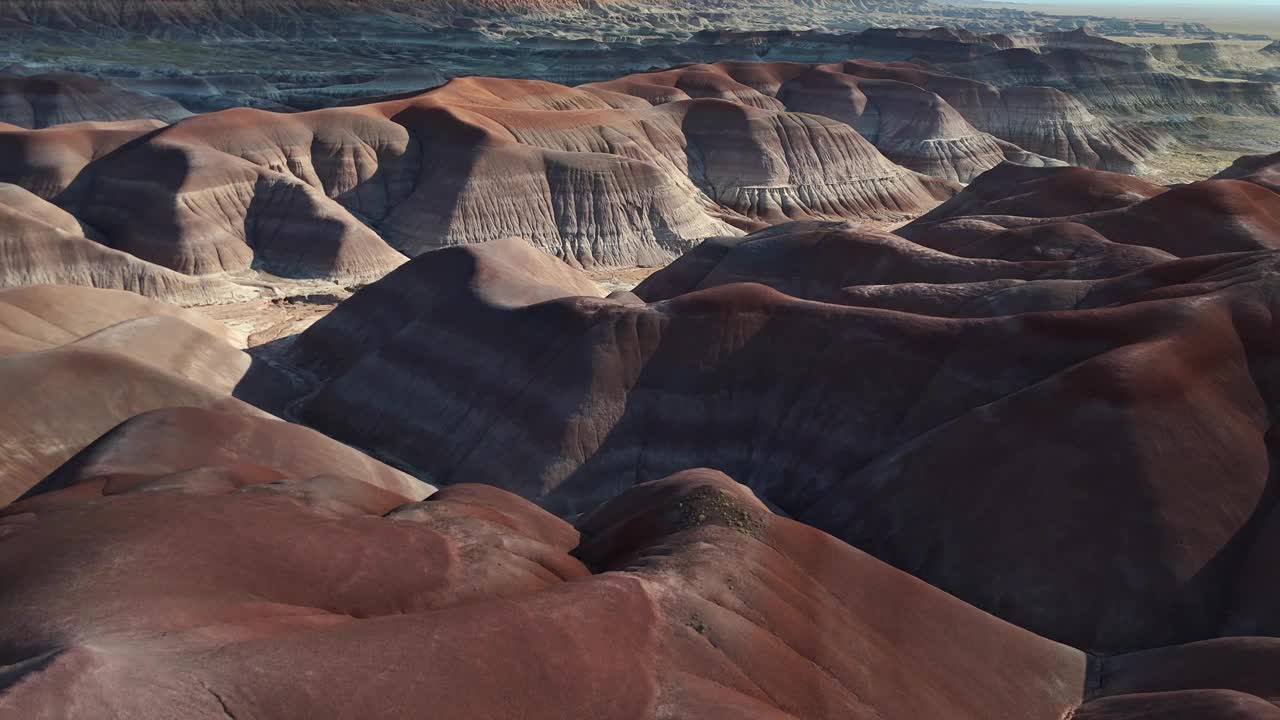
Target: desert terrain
x,y
873,360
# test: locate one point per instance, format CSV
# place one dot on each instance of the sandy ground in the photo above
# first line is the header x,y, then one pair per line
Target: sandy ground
x,y
297,305
294,308
291,306
614,279
1211,148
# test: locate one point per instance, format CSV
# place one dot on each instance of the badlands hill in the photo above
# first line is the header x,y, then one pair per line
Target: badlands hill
x,y
935,402
110,184
344,194
39,101
1012,460
632,171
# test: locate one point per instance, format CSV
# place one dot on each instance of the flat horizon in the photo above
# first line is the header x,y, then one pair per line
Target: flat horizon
x,y
1254,17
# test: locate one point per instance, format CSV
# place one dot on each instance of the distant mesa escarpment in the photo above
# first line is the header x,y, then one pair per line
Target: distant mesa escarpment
x,y
1117,78
345,48
1010,460
163,18
577,19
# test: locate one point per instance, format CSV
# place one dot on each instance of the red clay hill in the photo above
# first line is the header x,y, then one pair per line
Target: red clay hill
x,y
1012,460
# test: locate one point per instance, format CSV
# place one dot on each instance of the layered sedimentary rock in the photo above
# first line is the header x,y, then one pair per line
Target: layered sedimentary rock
x,y
842,264
1202,218
1010,461
1049,322
75,362
44,244
1261,170
628,172
911,126
38,101
932,122
1035,118
597,178
158,17
1117,78
182,203
349,42
1214,59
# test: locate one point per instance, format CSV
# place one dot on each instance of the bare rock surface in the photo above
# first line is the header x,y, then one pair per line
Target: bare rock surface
x,y
805,325
780,476
343,194
75,362
684,596
877,125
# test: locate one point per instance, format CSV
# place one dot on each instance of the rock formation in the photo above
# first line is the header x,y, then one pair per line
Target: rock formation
x,y
1261,170
1203,218
44,244
1012,460
75,362
911,126
1117,78
679,617
38,101
771,357
930,122
625,172
343,194
683,595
